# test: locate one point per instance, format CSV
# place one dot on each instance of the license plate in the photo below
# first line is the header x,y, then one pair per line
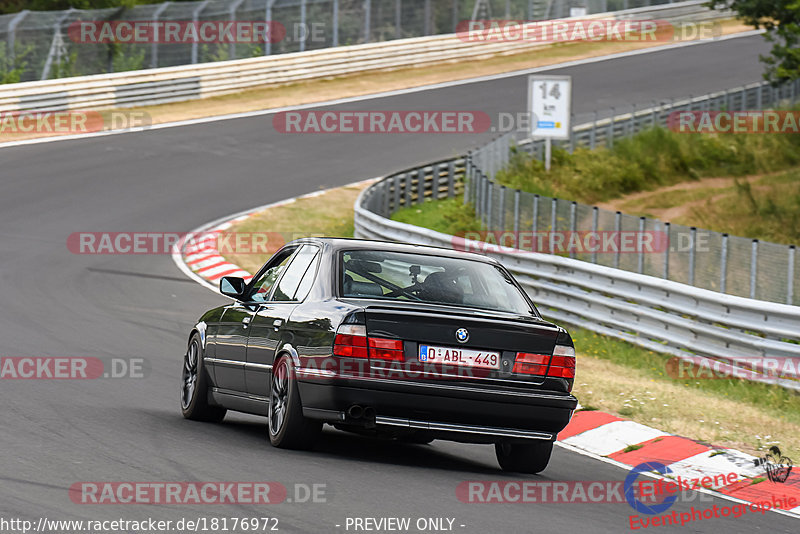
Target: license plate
x,y
463,357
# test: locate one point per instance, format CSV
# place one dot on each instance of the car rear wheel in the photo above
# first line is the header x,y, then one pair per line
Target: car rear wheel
x,y
194,386
523,456
287,428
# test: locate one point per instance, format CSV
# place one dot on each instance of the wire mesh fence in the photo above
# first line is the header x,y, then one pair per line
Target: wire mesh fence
x,y
45,45
702,258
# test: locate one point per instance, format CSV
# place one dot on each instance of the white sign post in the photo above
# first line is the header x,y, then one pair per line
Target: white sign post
x,y
550,106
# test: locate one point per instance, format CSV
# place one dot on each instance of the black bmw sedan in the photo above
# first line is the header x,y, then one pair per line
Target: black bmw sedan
x,y
408,342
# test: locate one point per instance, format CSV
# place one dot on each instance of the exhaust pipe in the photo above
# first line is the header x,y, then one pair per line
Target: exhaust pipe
x,y
369,413
355,412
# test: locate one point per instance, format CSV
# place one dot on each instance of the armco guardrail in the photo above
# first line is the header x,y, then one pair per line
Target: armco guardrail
x,y
735,334
187,82
41,45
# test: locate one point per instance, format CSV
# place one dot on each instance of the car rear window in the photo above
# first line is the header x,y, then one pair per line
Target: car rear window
x,y
376,274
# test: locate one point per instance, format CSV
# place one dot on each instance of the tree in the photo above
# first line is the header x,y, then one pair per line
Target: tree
x,y
781,19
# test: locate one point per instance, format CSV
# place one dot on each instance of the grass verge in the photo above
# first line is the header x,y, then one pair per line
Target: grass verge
x,y
329,213
652,159
763,207
613,376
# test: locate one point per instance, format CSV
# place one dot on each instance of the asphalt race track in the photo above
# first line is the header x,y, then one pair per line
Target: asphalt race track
x,y
55,303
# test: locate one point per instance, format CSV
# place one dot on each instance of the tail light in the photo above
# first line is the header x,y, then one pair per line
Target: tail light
x,y
385,349
352,342
562,363
531,364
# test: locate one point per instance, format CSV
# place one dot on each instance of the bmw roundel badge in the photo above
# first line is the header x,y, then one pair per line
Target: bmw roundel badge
x,y
462,335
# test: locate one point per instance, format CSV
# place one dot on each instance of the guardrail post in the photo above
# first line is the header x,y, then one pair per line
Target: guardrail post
x,y
640,265
409,183
232,18
398,11
396,196
427,15
535,223
653,114
467,177
195,18
303,26
367,17
154,46
451,179
553,222
572,133
501,216
484,194
759,97
753,268
385,195
723,265
790,276
666,252
516,216
573,207
489,202
593,132
595,213
692,251
268,19
617,237
11,37
610,133
335,24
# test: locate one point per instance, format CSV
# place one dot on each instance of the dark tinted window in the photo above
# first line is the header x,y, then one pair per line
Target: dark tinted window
x,y
436,279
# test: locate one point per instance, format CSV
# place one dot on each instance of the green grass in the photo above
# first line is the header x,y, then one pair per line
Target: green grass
x,y
449,216
651,159
775,400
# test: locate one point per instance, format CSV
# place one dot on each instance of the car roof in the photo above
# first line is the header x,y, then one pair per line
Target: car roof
x,y
342,243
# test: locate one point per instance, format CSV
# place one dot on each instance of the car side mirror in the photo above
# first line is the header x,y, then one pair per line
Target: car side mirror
x,y
232,286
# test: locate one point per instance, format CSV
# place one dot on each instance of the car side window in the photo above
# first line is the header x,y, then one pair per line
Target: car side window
x,y
308,280
294,273
263,285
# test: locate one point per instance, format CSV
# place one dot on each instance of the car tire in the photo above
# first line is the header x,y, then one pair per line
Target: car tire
x,y
286,426
194,386
523,456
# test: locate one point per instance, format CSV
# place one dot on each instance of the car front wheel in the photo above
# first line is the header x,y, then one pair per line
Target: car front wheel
x,y
287,427
523,456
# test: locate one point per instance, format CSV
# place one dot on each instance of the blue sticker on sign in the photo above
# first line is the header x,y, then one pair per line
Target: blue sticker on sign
x,y
545,124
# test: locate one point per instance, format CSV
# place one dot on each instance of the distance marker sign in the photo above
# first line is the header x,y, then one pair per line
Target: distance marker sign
x,y
550,105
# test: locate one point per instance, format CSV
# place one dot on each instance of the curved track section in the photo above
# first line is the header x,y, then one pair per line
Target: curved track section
x,y
56,303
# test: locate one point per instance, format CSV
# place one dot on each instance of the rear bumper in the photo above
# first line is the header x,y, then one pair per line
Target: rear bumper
x,y
439,407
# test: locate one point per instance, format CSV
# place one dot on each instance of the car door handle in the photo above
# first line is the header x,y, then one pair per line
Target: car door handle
x,y
277,324
245,322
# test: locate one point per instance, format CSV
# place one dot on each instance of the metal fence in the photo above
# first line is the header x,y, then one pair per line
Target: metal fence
x,y
38,45
700,258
